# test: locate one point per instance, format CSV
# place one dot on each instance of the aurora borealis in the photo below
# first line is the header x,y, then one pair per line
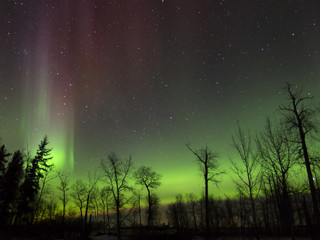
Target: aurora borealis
x,y
148,77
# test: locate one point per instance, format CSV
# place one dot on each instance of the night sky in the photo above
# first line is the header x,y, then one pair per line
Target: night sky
x,y
148,77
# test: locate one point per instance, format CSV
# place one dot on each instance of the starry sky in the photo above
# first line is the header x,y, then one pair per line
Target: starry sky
x,y
147,77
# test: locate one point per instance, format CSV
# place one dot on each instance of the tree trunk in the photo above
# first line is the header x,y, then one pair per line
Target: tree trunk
x,y
311,183
118,220
85,232
149,207
206,196
194,216
307,163
298,209
81,219
287,207
64,212
108,217
140,224
38,202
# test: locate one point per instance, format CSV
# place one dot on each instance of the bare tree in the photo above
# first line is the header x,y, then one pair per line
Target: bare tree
x,y
247,171
217,212
192,202
150,180
177,213
51,207
105,197
96,204
210,170
64,187
277,156
93,178
137,206
299,118
230,213
78,193
47,177
116,172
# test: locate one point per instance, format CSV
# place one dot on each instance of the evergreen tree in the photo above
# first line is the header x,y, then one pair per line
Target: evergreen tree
x,y
34,173
12,180
3,160
3,164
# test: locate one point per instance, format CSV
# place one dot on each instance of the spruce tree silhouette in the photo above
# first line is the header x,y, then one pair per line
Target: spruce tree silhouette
x,y
30,187
13,178
3,160
3,167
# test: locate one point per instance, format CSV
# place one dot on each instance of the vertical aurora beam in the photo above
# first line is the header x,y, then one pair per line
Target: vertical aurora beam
x,y
35,112
48,102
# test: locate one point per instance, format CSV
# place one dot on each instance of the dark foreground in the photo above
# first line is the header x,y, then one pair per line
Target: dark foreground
x,y
47,233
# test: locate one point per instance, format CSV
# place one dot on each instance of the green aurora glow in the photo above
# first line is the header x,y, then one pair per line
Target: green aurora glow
x,y
147,79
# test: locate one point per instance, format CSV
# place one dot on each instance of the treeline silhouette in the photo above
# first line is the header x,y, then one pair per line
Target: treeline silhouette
x,y
270,201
